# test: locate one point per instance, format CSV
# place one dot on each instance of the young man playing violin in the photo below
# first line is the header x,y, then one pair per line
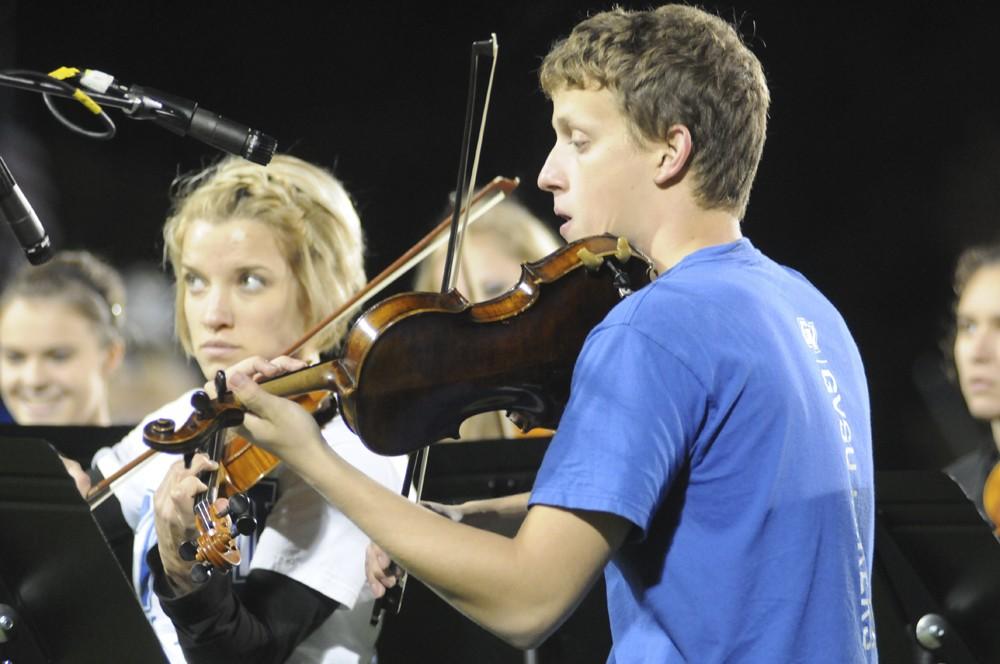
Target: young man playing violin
x,y
714,460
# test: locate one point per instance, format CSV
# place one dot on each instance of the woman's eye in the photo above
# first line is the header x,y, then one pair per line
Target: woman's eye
x,y
194,283
61,354
252,282
13,357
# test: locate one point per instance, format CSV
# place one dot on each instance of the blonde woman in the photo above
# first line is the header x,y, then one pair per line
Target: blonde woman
x,y
260,255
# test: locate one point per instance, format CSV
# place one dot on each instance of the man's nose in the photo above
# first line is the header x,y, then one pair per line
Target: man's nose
x,y
551,178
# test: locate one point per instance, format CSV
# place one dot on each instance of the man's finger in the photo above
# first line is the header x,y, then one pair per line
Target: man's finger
x,y
250,394
287,363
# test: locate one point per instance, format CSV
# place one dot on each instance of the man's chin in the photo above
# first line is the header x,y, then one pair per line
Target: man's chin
x,y
567,231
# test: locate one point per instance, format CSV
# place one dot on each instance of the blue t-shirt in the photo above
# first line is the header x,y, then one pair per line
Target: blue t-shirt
x,y
723,410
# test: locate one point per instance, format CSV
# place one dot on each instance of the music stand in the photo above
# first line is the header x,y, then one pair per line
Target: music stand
x,y
68,599
936,570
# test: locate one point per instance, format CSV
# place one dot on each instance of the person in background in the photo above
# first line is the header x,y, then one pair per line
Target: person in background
x,y
260,255
61,341
975,348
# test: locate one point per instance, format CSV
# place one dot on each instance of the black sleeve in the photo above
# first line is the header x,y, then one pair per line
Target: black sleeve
x,y
271,615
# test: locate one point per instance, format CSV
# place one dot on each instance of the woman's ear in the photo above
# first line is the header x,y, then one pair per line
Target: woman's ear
x,y
113,359
673,153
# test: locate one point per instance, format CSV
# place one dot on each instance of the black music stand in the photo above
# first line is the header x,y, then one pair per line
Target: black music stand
x,y
936,584
60,586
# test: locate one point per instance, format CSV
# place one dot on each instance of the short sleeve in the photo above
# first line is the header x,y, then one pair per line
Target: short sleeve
x,y
629,427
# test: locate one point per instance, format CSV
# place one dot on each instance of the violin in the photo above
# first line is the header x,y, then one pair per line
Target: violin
x,y
416,365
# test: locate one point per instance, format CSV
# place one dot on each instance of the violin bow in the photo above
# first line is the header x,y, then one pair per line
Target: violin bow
x,y
417,464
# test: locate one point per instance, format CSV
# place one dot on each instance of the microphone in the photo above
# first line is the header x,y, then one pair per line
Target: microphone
x,y
16,211
186,118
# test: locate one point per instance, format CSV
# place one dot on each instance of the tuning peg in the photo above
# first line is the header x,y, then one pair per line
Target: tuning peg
x,y
202,404
240,511
201,573
188,551
220,383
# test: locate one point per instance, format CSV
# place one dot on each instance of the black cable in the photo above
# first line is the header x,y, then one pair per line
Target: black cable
x,y
109,126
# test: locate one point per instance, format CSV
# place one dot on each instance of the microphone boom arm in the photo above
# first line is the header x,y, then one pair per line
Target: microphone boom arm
x,y
177,115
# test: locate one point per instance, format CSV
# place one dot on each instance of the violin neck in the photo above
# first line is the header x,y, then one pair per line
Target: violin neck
x,y
212,478
320,377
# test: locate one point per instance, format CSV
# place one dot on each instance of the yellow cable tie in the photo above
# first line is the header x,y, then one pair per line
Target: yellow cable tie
x,y
64,72
88,103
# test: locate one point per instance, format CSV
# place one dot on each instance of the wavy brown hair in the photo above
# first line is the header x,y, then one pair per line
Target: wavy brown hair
x,y
669,66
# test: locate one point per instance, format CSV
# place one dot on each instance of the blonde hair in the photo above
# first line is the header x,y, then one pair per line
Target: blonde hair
x,y
510,227
675,65
311,214
81,281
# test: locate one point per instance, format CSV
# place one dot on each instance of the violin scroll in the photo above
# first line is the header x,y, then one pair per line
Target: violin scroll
x,y
209,417
214,547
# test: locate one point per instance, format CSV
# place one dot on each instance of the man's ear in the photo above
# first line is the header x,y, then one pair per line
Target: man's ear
x,y
673,153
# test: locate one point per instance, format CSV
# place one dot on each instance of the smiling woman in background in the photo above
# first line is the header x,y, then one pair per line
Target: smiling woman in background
x,y
61,340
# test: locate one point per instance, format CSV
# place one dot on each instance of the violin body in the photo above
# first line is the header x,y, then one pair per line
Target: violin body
x,y
419,364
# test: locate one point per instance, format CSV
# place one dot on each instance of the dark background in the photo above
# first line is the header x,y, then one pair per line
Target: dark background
x,y
881,162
